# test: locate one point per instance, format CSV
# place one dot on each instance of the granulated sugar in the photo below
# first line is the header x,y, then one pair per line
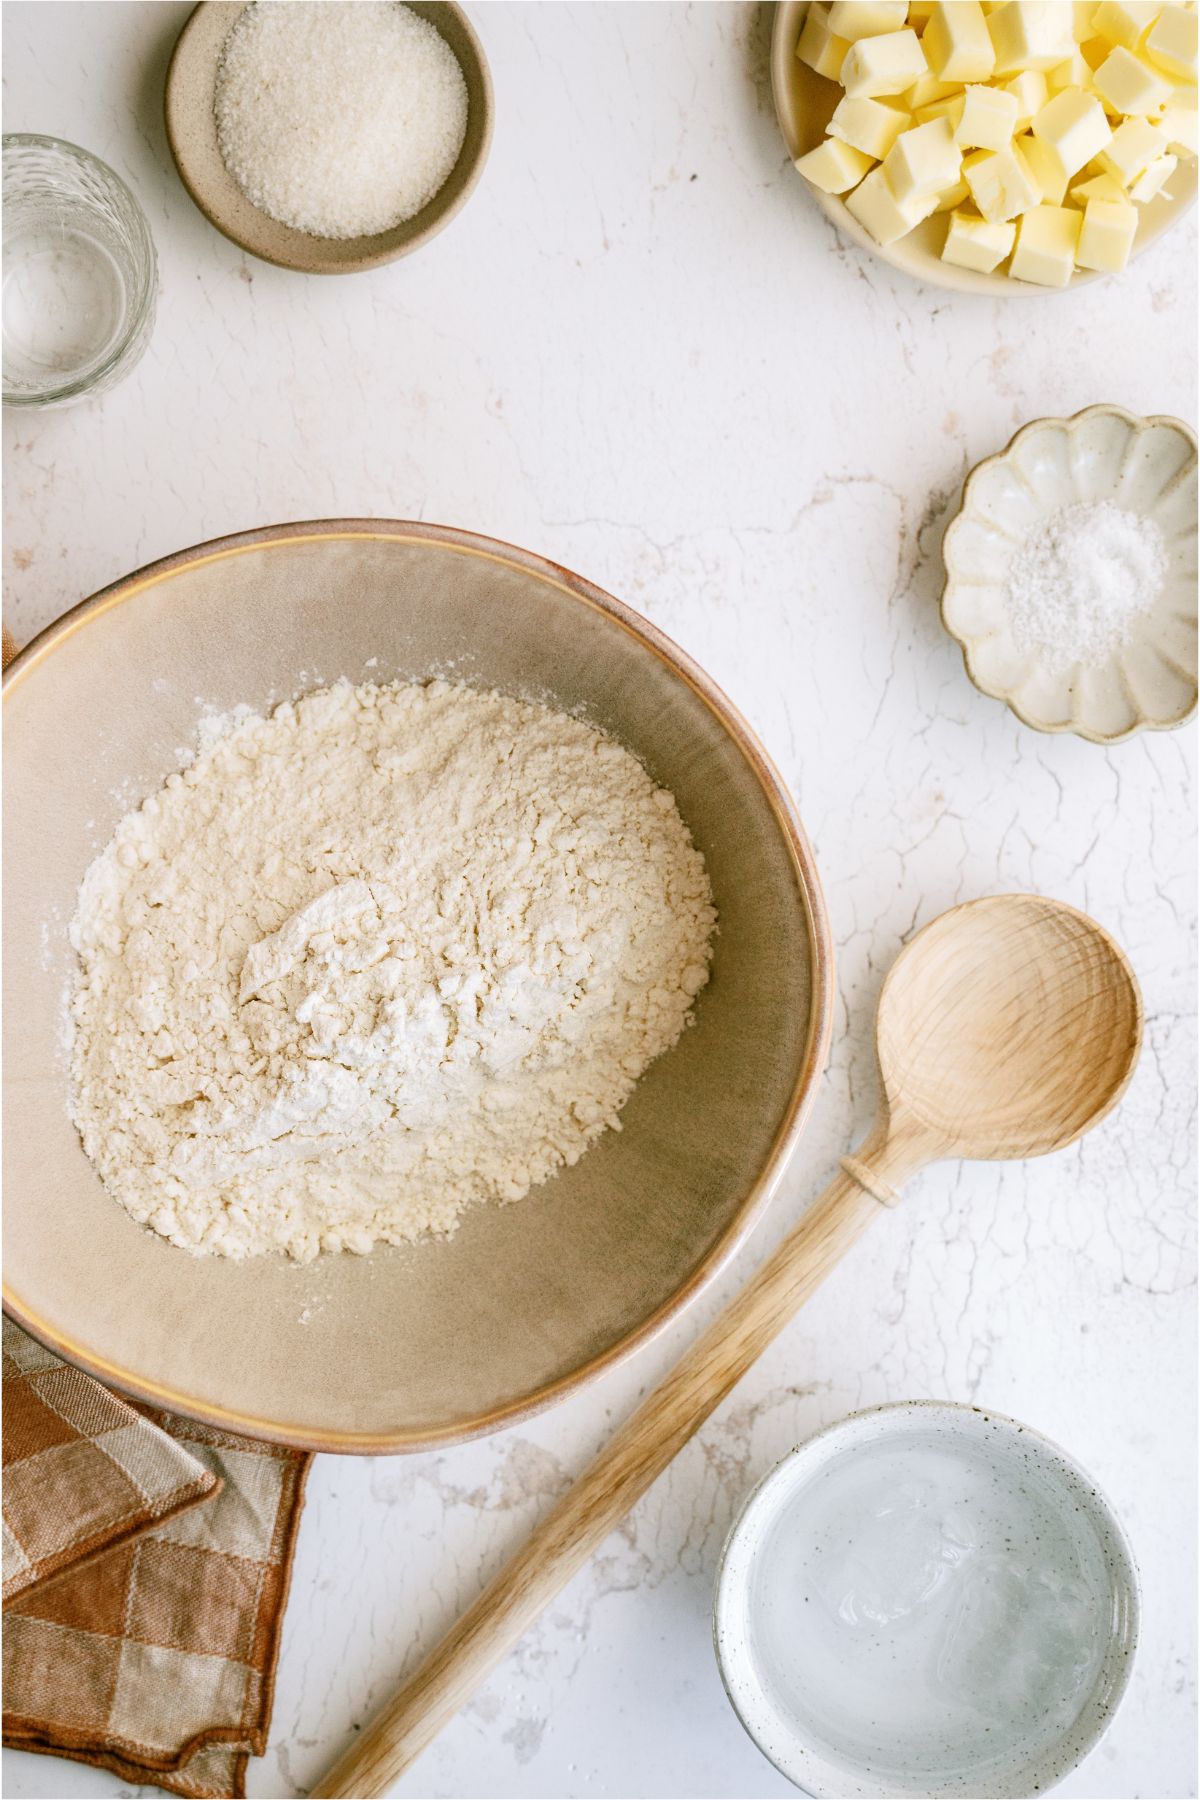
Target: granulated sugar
x,y
339,119
1080,579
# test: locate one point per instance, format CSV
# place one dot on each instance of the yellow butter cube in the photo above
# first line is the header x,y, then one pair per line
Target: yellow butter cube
x,y
989,119
1179,126
883,65
925,160
1044,166
1031,34
974,243
868,125
833,166
1106,236
1047,237
819,47
1001,183
879,212
1130,85
1132,148
854,19
954,196
1031,91
1124,23
1074,127
956,42
1171,43
927,89
1153,178
1075,71
951,109
1100,187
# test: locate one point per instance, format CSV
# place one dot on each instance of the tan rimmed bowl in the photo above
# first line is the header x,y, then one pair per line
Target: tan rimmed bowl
x,y
804,103
192,134
1143,465
444,1340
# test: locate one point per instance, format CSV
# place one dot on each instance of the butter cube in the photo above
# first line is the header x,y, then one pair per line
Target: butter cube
x,y
1123,23
1048,173
1074,127
833,166
1031,34
854,19
951,109
819,47
1171,43
954,196
1132,148
1032,92
868,125
1100,187
918,13
1179,126
883,65
925,160
1107,235
927,88
956,42
1001,183
1129,84
1075,71
879,212
976,243
989,119
1153,178
1046,241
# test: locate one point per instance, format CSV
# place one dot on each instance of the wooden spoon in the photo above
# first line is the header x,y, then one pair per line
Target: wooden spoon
x,y
1005,1029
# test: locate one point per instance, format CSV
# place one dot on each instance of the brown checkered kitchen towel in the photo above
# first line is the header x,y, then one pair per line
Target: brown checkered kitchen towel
x,y
146,1566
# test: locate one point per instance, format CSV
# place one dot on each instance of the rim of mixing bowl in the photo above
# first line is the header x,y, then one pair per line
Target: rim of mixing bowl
x,y
820,1024
140,310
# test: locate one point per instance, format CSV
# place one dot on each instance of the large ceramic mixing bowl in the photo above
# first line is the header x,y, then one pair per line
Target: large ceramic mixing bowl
x,y
440,1340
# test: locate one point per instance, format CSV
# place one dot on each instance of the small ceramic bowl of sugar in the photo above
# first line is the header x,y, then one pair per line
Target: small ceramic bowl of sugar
x,y
1072,574
329,138
926,1599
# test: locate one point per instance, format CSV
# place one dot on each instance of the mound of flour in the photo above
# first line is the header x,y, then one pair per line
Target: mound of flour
x,y
389,952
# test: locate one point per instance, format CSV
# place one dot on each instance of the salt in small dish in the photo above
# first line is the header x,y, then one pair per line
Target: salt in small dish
x,y
926,1600
1146,466
189,107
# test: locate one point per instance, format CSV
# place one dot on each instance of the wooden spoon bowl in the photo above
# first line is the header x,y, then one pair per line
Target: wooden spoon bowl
x,y
1007,1028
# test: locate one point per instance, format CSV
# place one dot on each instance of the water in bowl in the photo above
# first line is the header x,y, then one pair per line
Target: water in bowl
x,y
925,1606
65,303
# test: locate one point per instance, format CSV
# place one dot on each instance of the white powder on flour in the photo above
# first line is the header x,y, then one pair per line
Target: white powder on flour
x,y
339,118
390,951
1079,580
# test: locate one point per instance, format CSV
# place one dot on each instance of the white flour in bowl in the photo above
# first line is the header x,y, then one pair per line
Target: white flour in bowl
x,y
390,951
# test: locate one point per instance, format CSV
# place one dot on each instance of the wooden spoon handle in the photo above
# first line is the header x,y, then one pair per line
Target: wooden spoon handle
x,y
623,1471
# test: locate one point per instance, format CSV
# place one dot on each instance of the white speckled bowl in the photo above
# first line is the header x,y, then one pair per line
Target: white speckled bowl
x,y
1147,465
1012,1769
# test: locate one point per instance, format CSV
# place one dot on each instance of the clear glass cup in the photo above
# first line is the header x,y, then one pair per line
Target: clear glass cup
x,y
80,274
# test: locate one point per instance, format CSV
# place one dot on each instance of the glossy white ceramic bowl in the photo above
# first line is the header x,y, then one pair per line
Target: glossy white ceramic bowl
x,y
1012,1768
1146,465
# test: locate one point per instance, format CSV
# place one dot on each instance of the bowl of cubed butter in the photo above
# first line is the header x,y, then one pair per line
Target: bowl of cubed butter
x,y
1016,148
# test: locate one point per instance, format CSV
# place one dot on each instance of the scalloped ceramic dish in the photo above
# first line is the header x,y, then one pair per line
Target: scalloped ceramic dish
x,y
804,103
1145,465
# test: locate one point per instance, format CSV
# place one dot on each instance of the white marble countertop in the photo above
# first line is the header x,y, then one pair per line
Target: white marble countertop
x,y
642,350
